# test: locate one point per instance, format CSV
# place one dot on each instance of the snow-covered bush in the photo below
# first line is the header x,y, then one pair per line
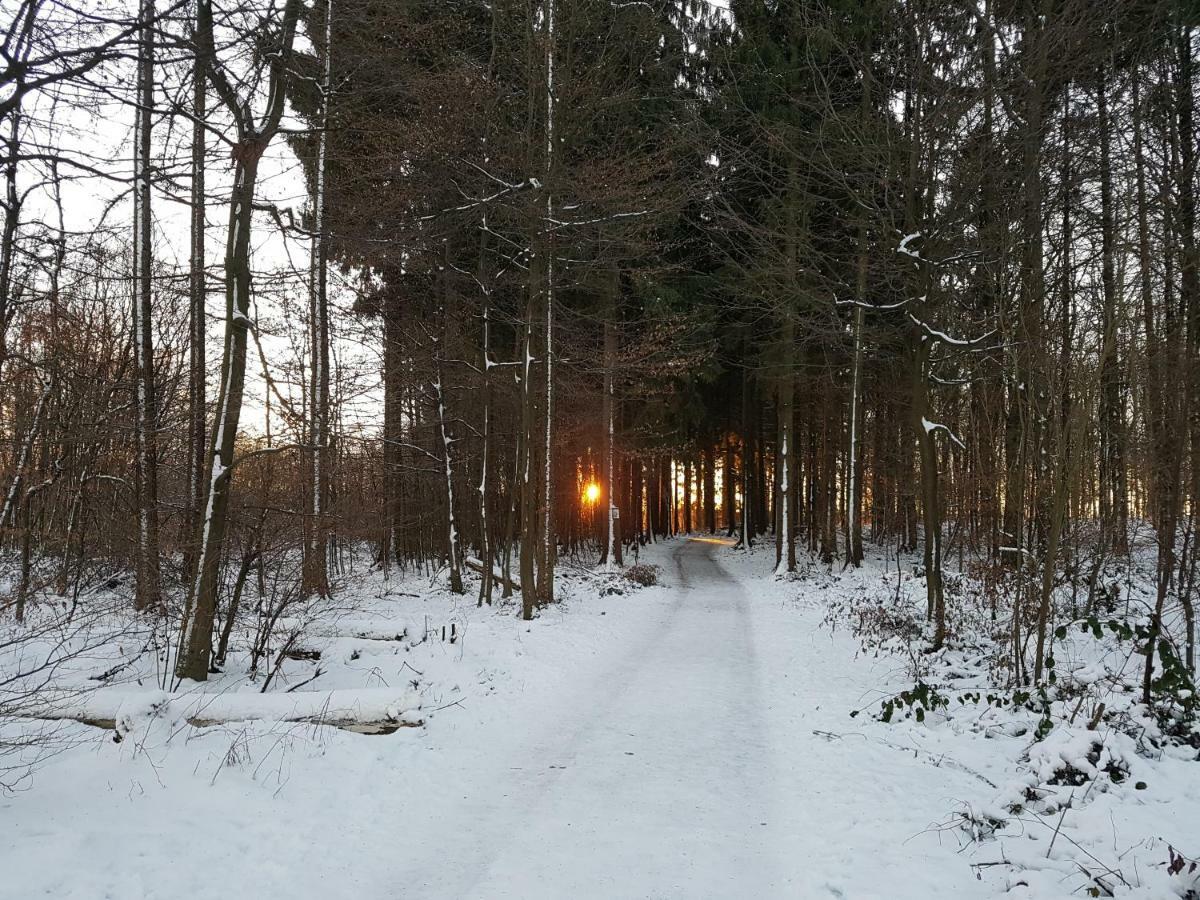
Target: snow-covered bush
x,y
642,574
43,661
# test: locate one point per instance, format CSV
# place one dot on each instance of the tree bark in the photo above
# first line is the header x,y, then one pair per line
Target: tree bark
x,y
195,647
147,590
316,552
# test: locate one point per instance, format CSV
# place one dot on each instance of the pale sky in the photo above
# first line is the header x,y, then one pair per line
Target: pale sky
x,y
99,132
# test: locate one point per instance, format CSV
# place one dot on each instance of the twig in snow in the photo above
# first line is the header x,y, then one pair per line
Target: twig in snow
x,y
317,674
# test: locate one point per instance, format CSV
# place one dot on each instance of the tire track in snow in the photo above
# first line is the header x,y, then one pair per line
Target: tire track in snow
x,y
648,781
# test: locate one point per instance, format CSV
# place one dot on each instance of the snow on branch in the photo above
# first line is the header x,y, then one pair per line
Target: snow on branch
x,y
933,333
476,202
931,427
565,223
950,382
871,306
905,241
906,250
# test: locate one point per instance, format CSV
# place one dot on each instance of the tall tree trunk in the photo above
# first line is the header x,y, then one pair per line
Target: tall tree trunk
x,y
393,427
485,451
195,648
316,555
197,326
687,495
529,492
612,543
549,543
747,454
785,543
930,487
8,237
452,552
147,594
196,643
729,483
709,481
1189,283
1114,501
854,463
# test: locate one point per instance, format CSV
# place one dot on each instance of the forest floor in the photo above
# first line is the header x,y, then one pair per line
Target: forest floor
x,y
689,740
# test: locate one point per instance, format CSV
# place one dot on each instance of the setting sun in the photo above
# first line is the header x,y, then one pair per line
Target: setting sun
x,y
592,492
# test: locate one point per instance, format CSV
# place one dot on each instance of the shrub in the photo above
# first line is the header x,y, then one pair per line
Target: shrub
x,y
642,574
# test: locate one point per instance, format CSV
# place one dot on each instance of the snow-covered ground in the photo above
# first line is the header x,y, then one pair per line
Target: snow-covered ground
x,y
688,740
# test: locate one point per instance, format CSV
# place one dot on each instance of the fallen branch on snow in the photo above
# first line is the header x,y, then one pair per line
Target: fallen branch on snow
x,y
363,711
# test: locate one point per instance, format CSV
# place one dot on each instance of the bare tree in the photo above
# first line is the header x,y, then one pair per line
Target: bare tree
x,y
253,134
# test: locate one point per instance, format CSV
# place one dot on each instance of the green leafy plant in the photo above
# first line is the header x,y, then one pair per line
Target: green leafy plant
x,y
1173,693
914,703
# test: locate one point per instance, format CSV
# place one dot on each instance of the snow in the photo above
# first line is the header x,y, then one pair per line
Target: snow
x,y
931,427
904,248
942,336
132,709
690,740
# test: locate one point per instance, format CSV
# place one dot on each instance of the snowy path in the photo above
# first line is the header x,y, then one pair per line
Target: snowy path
x,y
685,743
689,768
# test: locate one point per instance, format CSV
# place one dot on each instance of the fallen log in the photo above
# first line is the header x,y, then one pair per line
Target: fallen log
x,y
362,711
362,629
356,727
303,654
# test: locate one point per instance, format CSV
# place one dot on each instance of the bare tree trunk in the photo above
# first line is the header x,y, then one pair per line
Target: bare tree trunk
x,y
1114,503
687,495
393,426
195,647
515,498
930,487
148,593
830,426
612,544
316,553
747,454
1189,278
249,557
708,483
485,535
853,464
729,483
529,510
454,557
785,536
1057,519
196,642
197,296
8,238
549,544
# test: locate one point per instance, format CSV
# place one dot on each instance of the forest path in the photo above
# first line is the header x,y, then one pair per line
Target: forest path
x,y
686,742
711,757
